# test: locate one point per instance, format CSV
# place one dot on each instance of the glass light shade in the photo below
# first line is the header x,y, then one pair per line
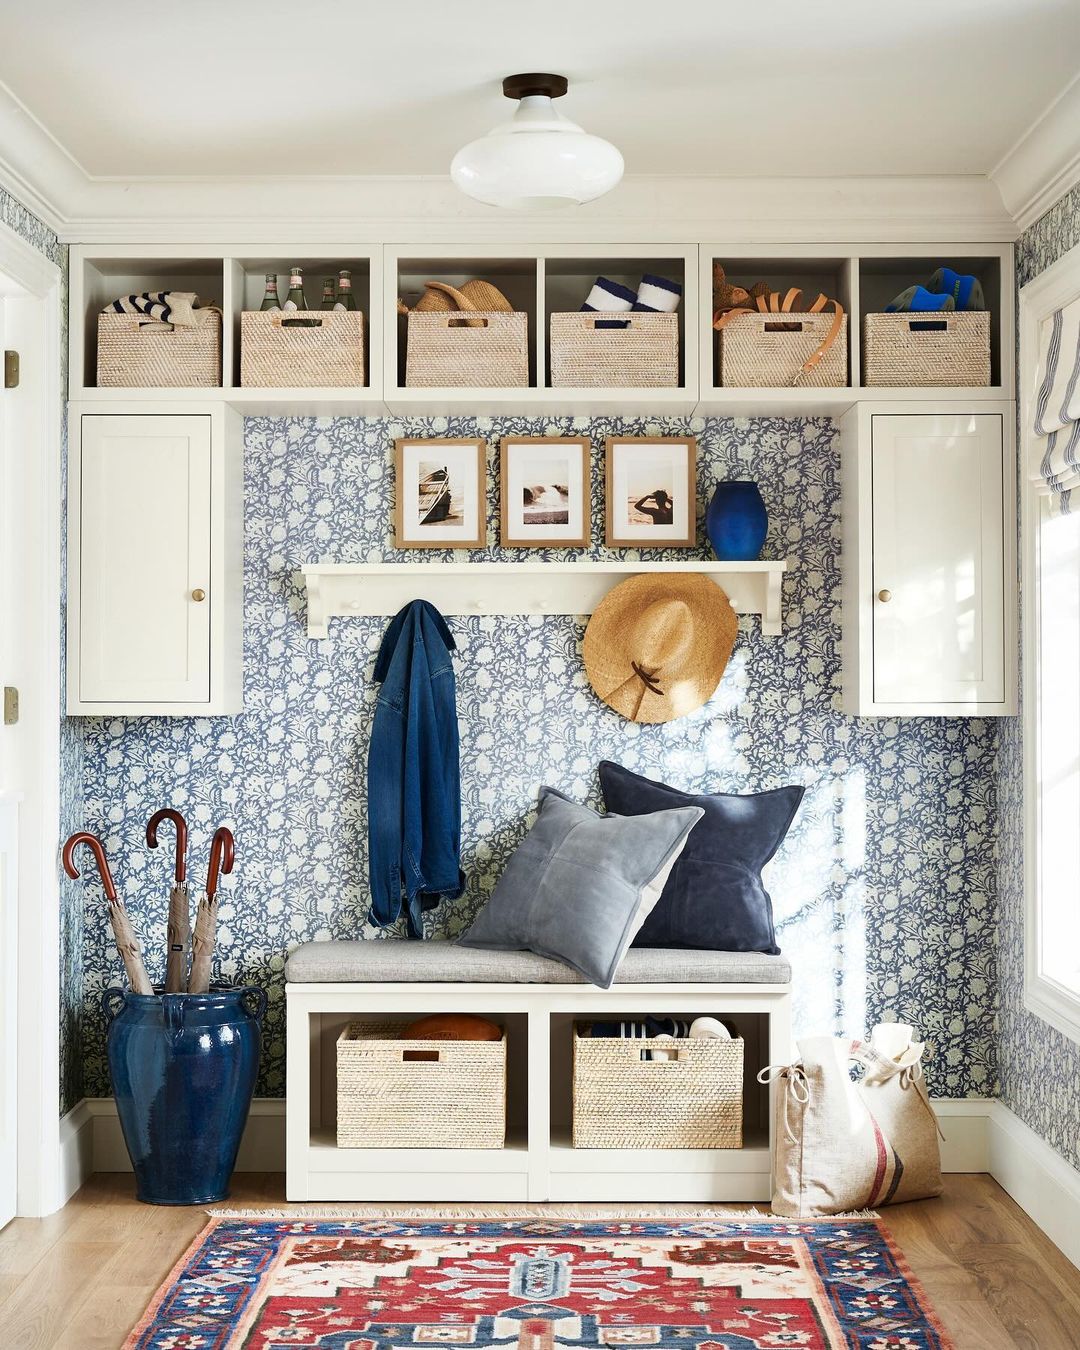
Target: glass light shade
x,y
538,161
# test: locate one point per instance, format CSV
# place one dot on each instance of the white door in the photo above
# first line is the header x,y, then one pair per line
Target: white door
x,y
9,833
144,603
939,586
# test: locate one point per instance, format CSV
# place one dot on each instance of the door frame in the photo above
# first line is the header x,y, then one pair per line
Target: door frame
x,y
33,320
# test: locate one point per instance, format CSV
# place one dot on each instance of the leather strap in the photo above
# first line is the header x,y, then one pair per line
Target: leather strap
x,y
774,305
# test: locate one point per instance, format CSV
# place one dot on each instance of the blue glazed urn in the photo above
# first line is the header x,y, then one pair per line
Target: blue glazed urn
x,y
736,521
183,1069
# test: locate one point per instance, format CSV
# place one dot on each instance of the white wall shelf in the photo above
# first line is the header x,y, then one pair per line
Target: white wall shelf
x,y
346,590
540,279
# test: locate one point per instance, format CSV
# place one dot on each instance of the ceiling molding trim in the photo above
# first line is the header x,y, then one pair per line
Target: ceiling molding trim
x,y
874,210
1045,162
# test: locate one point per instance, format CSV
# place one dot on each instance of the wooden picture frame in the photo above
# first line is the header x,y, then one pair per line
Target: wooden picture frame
x,y
528,463
632,474
464,463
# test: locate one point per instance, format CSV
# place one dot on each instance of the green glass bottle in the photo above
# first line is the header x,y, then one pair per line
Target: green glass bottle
x,y
270,294
296,298
328,296
345,298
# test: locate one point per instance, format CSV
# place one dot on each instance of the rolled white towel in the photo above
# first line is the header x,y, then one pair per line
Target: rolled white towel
x,y
657,295
661,1052
609,297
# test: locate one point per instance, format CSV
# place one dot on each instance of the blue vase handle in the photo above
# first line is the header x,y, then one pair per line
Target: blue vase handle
x,y
259,995
112,1000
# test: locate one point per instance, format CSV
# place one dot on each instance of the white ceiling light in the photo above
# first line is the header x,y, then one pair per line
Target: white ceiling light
x,y
539,160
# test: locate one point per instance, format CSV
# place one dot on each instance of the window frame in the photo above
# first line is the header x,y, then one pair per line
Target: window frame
x,y
1048,998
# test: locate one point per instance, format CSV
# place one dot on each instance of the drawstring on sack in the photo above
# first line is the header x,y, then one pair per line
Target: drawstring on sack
x,y
797,1088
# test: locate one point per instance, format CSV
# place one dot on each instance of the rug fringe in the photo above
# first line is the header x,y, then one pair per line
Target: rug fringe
x,y
527,1211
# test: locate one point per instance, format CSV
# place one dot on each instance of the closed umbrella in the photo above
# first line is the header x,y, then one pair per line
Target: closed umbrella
x,y
222,857
179,926
126,940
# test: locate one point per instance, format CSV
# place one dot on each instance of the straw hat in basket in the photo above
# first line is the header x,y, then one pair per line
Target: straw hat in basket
x,y
656,646
477,295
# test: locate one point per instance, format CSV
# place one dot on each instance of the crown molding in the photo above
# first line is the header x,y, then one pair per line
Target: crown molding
x,y
1044,164
82,208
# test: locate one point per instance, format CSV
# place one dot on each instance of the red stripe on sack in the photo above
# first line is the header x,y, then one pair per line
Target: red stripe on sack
x,y
882,1163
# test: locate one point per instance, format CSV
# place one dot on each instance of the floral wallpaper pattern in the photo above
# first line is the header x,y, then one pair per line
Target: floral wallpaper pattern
x,y
884,889
1040,1067
16,217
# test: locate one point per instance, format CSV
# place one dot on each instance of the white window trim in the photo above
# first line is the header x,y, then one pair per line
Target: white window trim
x,y
1044,996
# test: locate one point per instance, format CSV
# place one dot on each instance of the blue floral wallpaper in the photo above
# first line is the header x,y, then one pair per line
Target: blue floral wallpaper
x,y
25,224
1040,1068
885,888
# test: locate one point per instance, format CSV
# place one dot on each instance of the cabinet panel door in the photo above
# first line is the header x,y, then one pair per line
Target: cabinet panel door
x,y
145,547
938,606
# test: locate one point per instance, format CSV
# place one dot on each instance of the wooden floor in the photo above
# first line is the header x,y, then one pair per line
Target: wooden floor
x,y
80,1279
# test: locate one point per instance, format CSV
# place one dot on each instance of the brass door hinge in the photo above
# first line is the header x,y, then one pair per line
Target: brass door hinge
x,y
11,706
11,370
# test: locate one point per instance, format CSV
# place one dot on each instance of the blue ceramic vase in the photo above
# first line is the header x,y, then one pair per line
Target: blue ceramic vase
x,y
736,521
183,1069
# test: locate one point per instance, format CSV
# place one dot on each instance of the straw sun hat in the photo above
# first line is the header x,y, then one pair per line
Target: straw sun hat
x,y
656,646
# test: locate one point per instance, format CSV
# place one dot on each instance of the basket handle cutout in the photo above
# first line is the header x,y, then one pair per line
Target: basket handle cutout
x,y
783,328
301,323
613,323
928,326
459,321
420,1056
676,1055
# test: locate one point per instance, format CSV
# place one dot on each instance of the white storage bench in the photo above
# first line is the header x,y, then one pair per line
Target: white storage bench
x,y
537,1001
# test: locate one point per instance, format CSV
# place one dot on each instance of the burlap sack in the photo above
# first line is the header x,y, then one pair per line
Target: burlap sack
x,y
842,1145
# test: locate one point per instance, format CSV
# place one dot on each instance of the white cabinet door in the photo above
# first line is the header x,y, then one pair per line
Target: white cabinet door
x,y
144,599
938,601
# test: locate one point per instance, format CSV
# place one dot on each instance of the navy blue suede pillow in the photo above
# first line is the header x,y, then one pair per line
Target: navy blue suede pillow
x,y
714,898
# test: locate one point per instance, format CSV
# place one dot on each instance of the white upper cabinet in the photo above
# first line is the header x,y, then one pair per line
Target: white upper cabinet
x,y
929,562
155,583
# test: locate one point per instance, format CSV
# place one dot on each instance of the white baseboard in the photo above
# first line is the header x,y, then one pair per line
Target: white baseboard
x,y
1037,1177
981,1135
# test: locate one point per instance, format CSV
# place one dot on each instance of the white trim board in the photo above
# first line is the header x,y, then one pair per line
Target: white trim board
x,y
981,1135
1044,163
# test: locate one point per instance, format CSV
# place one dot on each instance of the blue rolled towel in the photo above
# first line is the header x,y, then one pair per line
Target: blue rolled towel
x,y
609,297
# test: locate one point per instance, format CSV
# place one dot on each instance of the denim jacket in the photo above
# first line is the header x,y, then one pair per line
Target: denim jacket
x,y
414,783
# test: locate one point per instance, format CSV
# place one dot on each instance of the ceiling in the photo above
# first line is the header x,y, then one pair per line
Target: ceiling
x,y
137,88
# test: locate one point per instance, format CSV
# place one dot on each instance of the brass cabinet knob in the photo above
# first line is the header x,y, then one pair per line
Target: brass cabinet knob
x,y
198,594
884,596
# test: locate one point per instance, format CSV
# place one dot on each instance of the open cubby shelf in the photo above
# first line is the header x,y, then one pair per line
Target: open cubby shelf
x,y
540,280
538,1161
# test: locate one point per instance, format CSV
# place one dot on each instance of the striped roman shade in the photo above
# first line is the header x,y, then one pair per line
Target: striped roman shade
x,y
1055,463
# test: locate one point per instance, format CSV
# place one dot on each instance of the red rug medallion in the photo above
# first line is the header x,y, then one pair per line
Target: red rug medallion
x,y
541,1284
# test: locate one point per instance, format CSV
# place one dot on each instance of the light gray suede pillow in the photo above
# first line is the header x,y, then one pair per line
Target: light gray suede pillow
x,y
580,885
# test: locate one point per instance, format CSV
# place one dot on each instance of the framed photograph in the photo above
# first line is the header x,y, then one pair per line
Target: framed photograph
x,y
650,491
441,494
545,491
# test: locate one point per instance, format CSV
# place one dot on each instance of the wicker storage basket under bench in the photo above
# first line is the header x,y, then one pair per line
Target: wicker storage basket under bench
x,y
623,1098
302,349
394,1093
927,349
137,352
615,351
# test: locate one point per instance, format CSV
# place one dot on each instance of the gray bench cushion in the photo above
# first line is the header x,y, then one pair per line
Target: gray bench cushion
x,y
396,961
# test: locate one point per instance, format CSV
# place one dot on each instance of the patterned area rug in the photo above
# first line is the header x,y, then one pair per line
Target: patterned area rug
x,y
541,1284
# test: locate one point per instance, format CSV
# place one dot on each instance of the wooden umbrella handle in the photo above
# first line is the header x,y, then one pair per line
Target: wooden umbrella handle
x,y
96,847
222,857
167,813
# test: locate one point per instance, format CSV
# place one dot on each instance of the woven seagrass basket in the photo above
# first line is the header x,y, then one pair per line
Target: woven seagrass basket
x,y
587,351
302,349
393,1093
444,352
135,352
927,349
768,350
625,1099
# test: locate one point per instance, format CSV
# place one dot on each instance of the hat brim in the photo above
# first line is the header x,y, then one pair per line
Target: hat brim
x,y
609,653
